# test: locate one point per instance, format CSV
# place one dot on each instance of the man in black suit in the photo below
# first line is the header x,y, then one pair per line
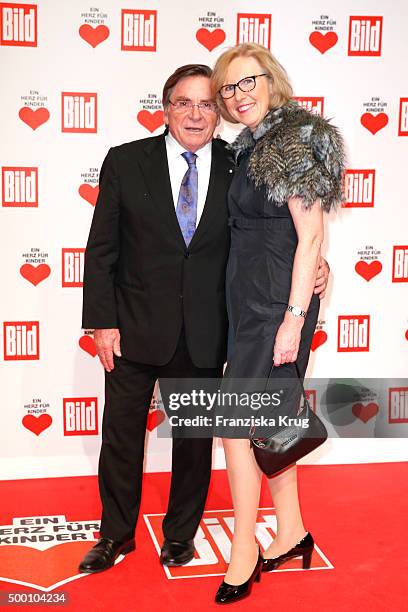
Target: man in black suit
x,y
154,293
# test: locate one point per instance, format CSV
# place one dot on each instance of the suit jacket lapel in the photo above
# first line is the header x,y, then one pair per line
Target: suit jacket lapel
x,y
220,178
155,170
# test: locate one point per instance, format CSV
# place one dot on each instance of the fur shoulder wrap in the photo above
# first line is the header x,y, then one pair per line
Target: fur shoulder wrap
x,y
295,153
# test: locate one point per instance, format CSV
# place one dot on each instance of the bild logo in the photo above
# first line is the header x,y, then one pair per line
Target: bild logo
x,y
254,28
398,405
139,30
21,340
313,104
213,544
79,112
80,416
18,24
353,333
359,188
365,34
403,117
311,398
72,267
400,264
19,187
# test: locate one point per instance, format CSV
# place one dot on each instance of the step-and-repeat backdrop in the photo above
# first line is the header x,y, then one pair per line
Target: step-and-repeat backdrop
x,y
80,77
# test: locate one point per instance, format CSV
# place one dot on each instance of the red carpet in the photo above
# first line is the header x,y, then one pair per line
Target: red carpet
x,y
357,514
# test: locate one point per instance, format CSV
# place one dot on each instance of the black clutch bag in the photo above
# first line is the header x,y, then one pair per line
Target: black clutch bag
x,y
288,444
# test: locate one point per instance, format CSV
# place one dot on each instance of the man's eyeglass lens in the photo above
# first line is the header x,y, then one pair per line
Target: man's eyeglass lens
x,y
184,105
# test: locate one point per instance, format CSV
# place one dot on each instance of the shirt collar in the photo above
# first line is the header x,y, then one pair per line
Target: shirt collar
x,y
175,149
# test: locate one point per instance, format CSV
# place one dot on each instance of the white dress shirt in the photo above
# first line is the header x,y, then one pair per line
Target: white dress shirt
x,y
178,167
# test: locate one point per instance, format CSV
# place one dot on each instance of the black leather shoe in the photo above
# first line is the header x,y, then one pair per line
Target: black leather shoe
x,y
104,554
228,593
303,548
175,553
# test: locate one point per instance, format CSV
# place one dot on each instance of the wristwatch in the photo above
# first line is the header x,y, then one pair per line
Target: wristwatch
x,y
296,311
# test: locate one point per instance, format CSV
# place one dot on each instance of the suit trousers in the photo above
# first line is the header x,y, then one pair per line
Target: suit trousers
x,y
128,392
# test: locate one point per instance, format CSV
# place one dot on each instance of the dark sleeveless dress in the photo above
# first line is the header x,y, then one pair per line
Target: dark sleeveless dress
x,y
258,283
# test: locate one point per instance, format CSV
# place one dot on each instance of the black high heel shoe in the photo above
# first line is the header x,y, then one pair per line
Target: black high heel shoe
x,y
228,593
303,548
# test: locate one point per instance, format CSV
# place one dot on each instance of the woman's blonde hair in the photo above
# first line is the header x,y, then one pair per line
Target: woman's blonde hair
x,y
281,90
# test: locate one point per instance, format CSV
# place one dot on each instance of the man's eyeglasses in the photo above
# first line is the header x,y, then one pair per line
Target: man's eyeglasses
x,y
182,106
245,84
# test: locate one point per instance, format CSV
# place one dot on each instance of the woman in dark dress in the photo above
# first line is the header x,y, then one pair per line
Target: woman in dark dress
x,y
290,164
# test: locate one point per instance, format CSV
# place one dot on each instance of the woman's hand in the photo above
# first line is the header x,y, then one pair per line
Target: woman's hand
x,y
287,342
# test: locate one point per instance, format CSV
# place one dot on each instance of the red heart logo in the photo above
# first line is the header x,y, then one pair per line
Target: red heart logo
x,y
406,334
374,123
34,118
210,38
89,193
151,121
94,36
368,270
155,417
323,42
319,338
45,569
365,413
35,274
37,424
87,344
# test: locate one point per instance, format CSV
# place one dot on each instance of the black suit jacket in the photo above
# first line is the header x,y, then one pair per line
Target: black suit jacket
x,y
139,276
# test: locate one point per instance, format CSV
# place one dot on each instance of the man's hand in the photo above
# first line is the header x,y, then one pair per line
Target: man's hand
x,y
107,343
322,278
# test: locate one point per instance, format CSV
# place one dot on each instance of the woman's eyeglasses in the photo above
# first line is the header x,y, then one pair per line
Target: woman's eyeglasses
x,y
245,84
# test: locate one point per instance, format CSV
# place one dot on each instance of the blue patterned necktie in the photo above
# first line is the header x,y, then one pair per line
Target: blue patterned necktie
x,y
186,210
